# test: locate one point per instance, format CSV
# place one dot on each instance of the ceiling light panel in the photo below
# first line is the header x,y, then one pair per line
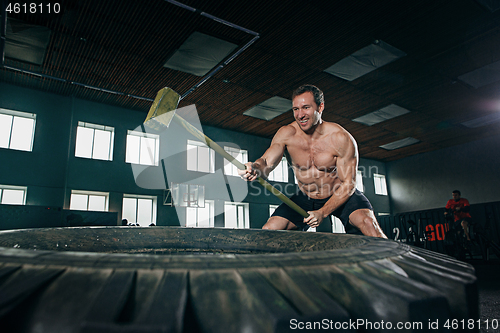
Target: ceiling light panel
x,y
400,143
199,54
491,5
270,108
483,121
482,76
365,61
386,113
26,42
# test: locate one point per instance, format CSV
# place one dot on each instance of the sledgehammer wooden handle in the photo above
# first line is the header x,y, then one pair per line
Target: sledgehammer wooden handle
x,y
202,137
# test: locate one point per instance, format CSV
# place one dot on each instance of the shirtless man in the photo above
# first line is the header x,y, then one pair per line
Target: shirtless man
x,y
325,159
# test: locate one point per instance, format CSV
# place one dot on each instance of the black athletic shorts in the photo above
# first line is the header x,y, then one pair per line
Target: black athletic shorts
x,y
356,201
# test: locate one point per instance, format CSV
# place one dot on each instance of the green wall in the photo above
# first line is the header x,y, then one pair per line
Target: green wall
x,y
51,170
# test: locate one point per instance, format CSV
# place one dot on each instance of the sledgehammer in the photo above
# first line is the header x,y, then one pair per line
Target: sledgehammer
x,y
163,111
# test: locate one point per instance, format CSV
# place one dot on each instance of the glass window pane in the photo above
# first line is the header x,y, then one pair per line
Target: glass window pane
x,y
239,155
359,181
227,167
192,161
243,156
84,139
129,209
377,185
383,185
204,216
272,208
337,226
284,168
78,202
133,147
380,184
279,173
203,159
241,217
102,142
22,133
191,217
97,203
145,212
5,127
212,161
148,151
13,197
230,219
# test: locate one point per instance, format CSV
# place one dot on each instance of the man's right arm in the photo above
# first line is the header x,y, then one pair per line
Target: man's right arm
x,y
447,207
271,158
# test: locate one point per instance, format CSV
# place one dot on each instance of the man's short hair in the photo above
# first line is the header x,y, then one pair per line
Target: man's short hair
x,y
457,192
317,93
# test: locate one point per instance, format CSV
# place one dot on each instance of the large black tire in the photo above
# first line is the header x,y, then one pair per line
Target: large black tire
x,y
167,279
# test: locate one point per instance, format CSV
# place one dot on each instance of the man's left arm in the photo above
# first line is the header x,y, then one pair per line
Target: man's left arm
x,y
347,163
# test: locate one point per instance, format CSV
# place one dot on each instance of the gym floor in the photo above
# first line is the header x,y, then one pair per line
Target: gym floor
x,y
488,275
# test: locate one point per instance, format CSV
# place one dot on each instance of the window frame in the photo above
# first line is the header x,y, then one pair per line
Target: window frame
x,y
229,168
16,115
246,214
211,156
88,194
272,208
24,189
94,127
283,165
141,136
210,205
380,183
137,197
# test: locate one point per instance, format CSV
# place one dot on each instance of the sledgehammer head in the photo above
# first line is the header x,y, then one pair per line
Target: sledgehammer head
x,y
163,109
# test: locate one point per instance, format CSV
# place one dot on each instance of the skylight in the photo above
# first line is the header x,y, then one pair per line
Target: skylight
x,y
400,143
270,108
364,61
386,113
199,54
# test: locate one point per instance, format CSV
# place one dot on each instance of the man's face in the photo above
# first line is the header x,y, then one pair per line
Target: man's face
x,y
456,196
306,112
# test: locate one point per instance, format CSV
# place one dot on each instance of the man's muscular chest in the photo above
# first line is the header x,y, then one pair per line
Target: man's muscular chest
x,y
313,156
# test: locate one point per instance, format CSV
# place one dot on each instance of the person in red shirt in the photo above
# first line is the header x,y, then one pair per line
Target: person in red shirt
x,y
459,207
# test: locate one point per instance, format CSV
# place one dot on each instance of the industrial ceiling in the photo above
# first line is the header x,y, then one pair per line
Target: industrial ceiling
x,y
446,77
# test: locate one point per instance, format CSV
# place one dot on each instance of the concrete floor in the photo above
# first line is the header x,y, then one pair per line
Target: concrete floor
x,y
488,275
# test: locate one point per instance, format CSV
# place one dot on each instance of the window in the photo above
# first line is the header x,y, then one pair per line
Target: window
x,y
94,141
139,209
337,226
85,200
236,215
280,173
200,157
13,195
142,148
272,208
201,217
380,185
17,130
240,155
359,181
